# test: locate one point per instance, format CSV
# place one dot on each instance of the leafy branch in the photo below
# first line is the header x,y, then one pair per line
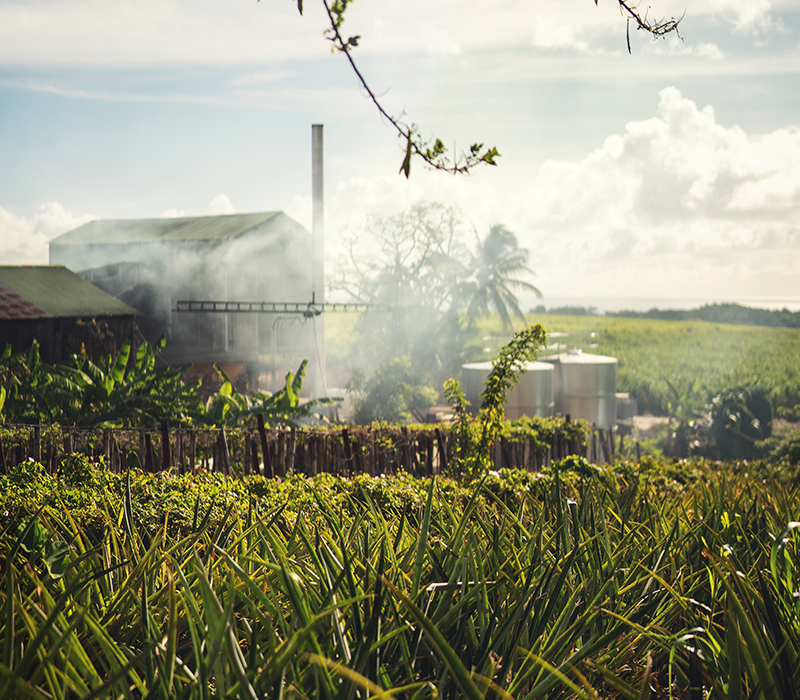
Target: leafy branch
x,y
433,151
475,436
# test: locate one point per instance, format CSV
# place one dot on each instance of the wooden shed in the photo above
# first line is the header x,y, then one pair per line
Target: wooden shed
x,y
60,310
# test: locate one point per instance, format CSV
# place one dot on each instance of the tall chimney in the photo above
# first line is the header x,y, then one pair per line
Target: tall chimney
x,y
318,373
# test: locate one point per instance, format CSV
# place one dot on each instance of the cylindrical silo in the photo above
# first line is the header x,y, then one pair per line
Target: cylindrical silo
x,y
585,387
532,396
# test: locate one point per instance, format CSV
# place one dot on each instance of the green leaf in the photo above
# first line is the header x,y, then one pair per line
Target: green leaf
x,y
56,558
118,373
33,536
405,168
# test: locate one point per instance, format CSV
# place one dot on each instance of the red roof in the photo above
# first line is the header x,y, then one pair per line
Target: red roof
x,y
12,305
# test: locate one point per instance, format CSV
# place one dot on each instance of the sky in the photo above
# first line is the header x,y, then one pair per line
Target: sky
x,y
671,173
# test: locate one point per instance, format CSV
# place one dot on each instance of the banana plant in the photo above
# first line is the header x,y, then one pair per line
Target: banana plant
x,y
230,407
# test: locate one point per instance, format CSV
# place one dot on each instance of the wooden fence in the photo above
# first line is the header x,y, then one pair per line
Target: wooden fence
x,y
277,452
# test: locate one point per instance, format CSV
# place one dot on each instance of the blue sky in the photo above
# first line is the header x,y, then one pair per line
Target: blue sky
x,y
670,173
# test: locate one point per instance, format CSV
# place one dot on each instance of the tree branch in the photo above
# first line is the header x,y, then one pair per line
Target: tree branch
x,y
433,152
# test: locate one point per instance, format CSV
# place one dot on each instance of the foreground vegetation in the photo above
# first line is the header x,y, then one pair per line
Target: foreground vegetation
x,y
672,580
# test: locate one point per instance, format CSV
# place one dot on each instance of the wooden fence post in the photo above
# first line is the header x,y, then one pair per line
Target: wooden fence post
x,y
264,447
290,451
166,461
358,455
148,459
254,456
36,444
225,452
428,456
442,452
280,458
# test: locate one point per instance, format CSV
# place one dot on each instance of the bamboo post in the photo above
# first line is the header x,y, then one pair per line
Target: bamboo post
x,y
3,462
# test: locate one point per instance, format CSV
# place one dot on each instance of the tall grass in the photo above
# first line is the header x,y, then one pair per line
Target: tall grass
x,y
605,586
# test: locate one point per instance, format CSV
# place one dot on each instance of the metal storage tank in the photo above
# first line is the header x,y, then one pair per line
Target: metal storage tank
x,y
585,387
532,396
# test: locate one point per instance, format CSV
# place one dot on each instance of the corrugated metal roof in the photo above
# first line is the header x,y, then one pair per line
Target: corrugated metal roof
x,y
190,228
56,291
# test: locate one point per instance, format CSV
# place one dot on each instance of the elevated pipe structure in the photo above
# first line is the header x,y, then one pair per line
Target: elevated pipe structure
x,y
309,309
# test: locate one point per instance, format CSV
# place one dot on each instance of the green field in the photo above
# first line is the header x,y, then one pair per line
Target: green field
x,y
697,358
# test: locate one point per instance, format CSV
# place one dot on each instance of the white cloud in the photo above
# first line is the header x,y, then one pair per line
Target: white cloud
x,y
153,32
676,46
24,240
173,213
157,32
552,33
221,205
676,205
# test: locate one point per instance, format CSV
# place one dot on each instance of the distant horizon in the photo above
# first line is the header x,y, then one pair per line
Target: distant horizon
x,y
606,304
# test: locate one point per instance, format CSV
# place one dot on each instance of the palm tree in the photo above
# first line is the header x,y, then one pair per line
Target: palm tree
x,y
495,268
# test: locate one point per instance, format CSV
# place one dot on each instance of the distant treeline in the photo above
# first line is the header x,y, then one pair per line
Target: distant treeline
x,y
721,313
713,313
567,310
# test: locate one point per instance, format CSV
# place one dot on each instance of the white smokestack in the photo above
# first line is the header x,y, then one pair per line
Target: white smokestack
x,y
318,371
